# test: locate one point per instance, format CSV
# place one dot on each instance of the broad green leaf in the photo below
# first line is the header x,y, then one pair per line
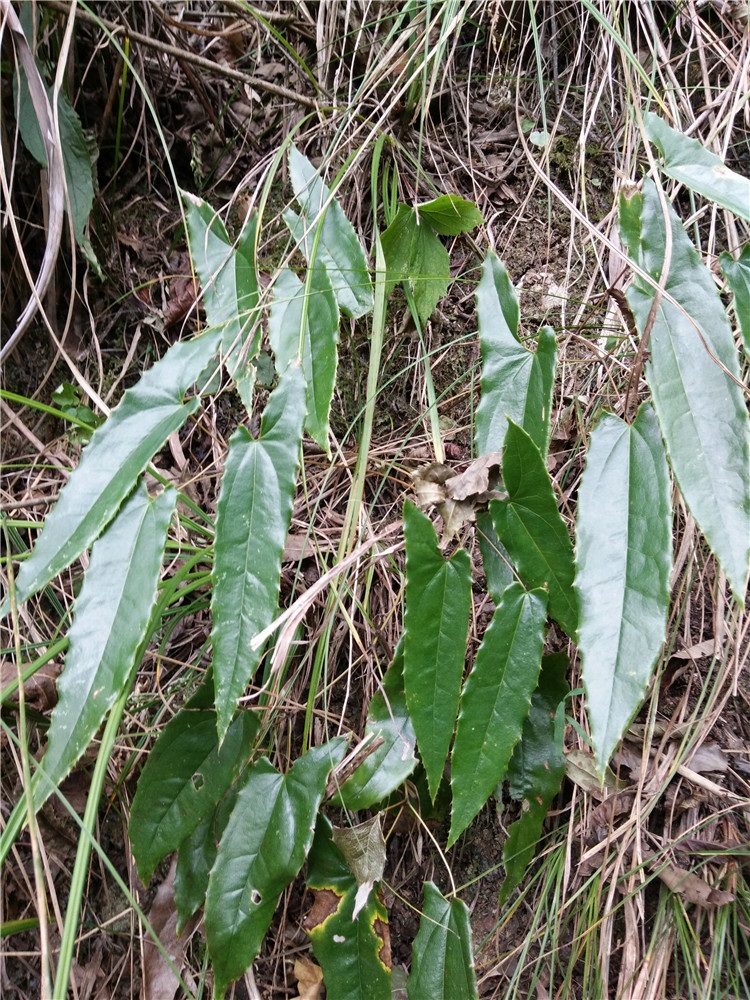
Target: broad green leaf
x,y
229,280
118,452
354,952
183,780
392,763
263,847
442,964
436,625
687,161
338,247
536,769
516,384
252,521
700,408
305,316
196,858
737,273
415,257
624,558
111,619
495,701
529,525
450,215
496,562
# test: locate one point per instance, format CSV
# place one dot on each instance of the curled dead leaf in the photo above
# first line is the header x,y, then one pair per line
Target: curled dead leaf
x,y
309,978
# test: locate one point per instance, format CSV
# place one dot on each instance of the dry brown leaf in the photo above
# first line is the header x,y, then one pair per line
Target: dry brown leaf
x,y
309,978
159,981
692,888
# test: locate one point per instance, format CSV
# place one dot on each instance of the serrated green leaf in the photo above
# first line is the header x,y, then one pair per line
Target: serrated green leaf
x,y
624,559
701,409
536,769
354,952
310,308
436,625
252,521
263,847
495,701
118,452
496,560
529,525
737,273
516,384
229,281
111,618
185,777
450,215
338,247
415,257
392,763
687,161
442,965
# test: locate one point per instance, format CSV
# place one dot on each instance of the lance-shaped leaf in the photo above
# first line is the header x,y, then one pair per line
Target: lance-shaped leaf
x,y
495,701
436,626
252,521
516,384
450,215
700,407
118,452
737,273
338,247
536,769
183,780
228,277
264,845
415,257
305,317
442,964
496,561
392,763
529,525
624,558
111,617
354,951
687,161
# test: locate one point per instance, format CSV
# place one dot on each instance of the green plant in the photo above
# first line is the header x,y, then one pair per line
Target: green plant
x,y
243,829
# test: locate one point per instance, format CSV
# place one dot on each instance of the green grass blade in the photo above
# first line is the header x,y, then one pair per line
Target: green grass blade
x,y
701,409
529,525
264,845
117,454
436,626
252,521
495,701
442,966
624,558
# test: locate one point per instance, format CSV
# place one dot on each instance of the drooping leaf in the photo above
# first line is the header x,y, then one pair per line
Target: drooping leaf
x,y
442,964
338,247
263,847
392,763
111,618
701,409
737,273
529,525
624,559
450,215
183,780
516,384
363,848
536,769
495,701
310,308
354,951
496,561
436,626
415,257
687,161
118,452
252,521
